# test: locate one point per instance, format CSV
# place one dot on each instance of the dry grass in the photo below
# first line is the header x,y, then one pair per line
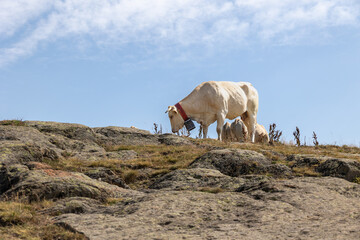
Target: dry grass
x,y
321,150
278,152
211,190
157,160
12,122
23,221
357,180
306,171
113,201
156,157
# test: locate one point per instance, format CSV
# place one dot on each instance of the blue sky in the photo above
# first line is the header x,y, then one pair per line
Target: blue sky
x,y
121,63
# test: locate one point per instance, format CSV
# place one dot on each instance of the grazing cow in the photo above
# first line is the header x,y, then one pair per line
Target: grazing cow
x,y
261,135
215,101
226,134
239,131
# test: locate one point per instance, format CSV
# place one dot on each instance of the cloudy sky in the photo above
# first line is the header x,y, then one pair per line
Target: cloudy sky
x,y
122,62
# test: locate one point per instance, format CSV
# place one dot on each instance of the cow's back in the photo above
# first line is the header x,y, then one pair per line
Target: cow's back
x,y
214,96
239,94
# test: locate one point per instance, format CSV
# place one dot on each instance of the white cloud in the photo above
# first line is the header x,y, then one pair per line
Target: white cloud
x,y
177,23
16,13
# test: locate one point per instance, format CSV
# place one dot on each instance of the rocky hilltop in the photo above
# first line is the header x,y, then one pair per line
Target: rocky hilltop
x,y
126,183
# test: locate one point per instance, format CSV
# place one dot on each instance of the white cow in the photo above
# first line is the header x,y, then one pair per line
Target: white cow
x,y
239,131
215,101
226,134
261,135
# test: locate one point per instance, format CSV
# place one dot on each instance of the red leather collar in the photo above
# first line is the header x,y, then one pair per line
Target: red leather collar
x,y
181,111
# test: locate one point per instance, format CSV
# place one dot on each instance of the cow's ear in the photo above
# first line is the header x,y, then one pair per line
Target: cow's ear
x,y
169,109
174,109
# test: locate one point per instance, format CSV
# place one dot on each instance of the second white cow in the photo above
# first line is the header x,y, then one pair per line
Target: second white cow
x,y
215,101
261,135
239,131
226,134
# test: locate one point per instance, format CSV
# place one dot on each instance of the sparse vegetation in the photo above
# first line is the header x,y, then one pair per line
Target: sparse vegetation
x,y
274,135
184,132
130,176
296,134
315,140
306,171
157,159
357,180
15,122
157,128
112,201
24,221
15,213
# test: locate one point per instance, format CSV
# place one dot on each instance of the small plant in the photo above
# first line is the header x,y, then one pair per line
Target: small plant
x,y
274,135
113,201
184,132
130,176
157,129
26,221
296,134
357,180
315,140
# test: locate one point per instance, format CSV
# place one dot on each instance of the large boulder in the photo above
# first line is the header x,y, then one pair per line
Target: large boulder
x,y
38,141
277,171
197,179
11,175
305,160
74,205
19,144
343,168
232,162
15,152
36,181
68,130
24,134
299,208
172,139
106,175
127,204
124,136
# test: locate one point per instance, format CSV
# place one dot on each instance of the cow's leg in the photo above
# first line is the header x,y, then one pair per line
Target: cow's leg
x,y
251,127
205,130
249,120
220,123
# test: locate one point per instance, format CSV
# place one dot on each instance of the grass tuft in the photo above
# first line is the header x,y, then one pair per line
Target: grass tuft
x,y
15,213
24,221
357,180
130,176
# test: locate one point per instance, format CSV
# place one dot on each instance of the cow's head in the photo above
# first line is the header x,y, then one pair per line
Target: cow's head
x,y
176,121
